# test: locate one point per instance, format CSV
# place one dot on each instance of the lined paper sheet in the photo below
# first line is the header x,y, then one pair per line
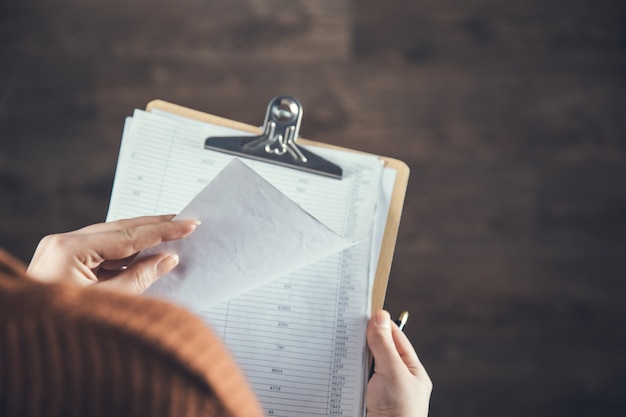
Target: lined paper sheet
x,y
247,225
299,339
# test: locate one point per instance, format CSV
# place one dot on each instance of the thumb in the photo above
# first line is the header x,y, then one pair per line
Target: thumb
x,y
141,274
381,343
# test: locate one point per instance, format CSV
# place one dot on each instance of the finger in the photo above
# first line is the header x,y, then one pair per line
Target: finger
x,y
407,352
120,244
380,342
124,224
140,275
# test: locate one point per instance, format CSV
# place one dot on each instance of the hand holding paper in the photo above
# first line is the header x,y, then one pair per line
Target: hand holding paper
x,y
250,234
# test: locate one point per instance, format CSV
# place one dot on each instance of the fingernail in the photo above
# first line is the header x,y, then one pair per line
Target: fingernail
x,y
167,264
190,226
382,319
192,222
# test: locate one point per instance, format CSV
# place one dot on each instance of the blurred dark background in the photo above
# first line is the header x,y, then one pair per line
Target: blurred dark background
x,y
511,114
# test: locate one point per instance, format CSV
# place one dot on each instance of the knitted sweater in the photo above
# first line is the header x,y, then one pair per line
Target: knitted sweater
x,y
70,351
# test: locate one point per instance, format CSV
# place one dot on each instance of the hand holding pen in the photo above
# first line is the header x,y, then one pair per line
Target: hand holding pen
x,y
400,322
400,385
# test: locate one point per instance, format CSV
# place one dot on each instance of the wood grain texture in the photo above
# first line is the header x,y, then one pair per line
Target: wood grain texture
x,y
510,255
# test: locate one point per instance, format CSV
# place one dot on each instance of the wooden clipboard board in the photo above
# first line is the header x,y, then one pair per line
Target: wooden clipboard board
x,y
395,208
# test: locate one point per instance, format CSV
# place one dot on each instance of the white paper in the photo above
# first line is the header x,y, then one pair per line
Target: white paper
x,y
250,234
299,339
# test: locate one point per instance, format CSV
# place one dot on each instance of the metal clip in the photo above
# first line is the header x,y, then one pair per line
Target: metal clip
x,y
277,143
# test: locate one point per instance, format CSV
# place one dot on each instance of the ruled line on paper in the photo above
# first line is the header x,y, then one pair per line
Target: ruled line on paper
x,y
304,331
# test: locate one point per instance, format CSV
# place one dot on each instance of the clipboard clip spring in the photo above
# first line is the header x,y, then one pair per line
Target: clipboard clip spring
x,y
277,143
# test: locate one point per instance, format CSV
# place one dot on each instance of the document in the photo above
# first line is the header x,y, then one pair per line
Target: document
x,y
250,234
299,338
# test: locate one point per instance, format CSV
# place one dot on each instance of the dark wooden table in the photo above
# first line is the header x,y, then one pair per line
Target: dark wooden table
x,y
512,116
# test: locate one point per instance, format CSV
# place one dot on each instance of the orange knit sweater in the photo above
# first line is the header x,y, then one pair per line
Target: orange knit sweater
x,y
69,351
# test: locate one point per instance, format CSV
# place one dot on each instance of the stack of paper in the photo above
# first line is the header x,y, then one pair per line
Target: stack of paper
x,y
295,320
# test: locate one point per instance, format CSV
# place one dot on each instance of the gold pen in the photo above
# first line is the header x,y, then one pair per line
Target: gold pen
x,y
402,319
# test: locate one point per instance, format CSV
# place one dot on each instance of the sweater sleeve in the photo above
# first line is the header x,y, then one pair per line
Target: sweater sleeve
x,y
10,266
69,351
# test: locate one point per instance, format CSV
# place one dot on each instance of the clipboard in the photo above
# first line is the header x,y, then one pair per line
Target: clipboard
x,y
385,258
299,338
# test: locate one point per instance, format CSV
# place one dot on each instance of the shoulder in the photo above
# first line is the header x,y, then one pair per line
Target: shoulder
x,y
120,333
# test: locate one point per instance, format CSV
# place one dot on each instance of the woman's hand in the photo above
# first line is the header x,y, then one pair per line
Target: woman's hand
x,y
400,386
103,253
